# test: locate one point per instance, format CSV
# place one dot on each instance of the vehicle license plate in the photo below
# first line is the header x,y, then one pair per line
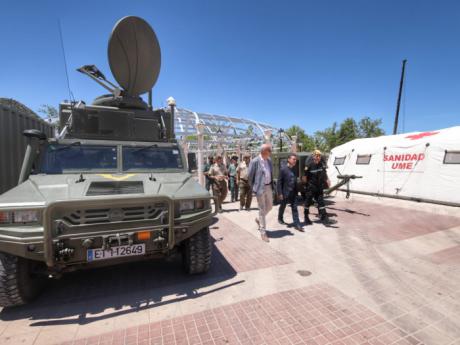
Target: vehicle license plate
x,y
115,252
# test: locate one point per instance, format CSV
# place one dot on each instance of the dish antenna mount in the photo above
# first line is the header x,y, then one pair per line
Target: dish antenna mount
x,y
134,58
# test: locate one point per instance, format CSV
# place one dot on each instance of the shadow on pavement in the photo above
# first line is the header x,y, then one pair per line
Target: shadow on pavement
x,y
347,210
278,233
123,289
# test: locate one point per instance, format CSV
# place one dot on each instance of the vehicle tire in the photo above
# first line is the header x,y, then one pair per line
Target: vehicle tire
x,y
196,254
17,283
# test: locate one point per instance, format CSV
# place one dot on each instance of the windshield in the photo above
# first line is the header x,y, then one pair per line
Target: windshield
x,y
59,158
148,158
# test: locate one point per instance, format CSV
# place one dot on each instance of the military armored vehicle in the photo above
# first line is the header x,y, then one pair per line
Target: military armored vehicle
x,y
113,187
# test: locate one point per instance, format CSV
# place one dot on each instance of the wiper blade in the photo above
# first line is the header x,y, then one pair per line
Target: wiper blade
x,y
145,148
66,147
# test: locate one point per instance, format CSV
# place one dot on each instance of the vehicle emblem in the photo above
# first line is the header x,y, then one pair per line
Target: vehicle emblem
x,y
116,215
117,177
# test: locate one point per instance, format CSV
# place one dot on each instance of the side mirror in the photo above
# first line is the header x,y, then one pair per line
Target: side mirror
x,y
34,133
192,163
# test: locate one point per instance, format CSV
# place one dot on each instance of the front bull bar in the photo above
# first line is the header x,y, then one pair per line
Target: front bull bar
x,y
48,236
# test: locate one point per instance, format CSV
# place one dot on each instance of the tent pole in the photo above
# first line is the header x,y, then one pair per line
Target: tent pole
x,y
395,128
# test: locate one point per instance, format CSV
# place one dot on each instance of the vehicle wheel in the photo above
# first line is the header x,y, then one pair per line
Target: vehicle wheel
x,y
18,285
196,255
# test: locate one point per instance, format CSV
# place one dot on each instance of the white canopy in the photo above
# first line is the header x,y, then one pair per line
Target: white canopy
x,y
419,165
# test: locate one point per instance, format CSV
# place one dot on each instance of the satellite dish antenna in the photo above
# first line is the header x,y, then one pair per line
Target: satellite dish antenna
x,y
134,55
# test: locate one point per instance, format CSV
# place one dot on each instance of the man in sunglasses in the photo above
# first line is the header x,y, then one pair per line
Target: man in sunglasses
x,y
316,179
287,191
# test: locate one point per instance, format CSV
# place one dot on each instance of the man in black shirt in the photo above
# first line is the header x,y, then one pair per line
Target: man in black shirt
x,y
287,191
317,180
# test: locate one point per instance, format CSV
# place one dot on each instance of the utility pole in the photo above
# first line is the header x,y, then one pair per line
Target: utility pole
x,y
395,128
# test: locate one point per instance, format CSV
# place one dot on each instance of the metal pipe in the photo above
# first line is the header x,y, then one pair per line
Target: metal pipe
x,y
29,158
150,100
401,82
401,197
172,104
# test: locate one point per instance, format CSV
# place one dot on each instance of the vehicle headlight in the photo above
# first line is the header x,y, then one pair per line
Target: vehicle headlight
x,y
28,216
186,205
6,217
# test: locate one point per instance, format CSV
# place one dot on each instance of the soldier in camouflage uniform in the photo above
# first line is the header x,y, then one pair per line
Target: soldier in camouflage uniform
x,y
243,183
232,179
219,175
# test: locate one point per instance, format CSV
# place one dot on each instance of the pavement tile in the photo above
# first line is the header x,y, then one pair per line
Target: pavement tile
x,y
243,251
385,274
431,335
21,339
284,320
448,256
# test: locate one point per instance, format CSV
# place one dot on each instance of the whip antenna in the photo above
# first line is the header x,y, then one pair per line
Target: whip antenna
x,y
71,98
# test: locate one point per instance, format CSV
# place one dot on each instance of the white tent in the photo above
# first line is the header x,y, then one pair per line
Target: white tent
x,y
421,165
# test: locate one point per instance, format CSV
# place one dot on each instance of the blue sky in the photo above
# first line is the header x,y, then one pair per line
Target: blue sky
x,y
308,63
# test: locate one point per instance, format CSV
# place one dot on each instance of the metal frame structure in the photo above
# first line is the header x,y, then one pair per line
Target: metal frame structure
x,y
225,133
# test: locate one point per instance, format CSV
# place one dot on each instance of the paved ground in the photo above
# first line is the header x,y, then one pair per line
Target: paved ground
x,y
386,273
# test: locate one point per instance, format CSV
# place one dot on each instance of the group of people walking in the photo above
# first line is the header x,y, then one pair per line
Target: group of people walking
x,y
256,177
217,175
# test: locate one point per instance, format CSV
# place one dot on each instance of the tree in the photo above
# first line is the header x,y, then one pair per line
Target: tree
x,y
335,135
250,131
50,113
302,138
348,131
369,128
327,139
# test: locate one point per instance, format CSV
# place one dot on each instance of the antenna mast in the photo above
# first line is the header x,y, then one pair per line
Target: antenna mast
x,y
395,128
65,61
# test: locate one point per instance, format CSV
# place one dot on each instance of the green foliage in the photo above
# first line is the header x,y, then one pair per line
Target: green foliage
x,y
348,131
306,141
327,138
336,135
369,128
50,113
194,137
250,131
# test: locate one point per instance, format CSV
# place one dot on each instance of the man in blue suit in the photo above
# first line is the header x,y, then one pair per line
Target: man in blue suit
x,y
287,191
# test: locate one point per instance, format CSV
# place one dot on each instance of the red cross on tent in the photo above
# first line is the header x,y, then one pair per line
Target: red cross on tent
x,y
420,135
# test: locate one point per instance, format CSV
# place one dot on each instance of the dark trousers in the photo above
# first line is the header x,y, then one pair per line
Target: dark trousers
x,y
208,183
233,188
317,194
291,200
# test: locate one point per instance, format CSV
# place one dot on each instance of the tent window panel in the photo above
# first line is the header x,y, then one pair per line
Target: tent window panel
x,y
339,160
363,159
452,157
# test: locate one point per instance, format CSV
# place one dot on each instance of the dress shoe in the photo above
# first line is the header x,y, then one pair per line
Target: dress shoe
x,y
282,222
299,228
308,221
264,237
327,221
